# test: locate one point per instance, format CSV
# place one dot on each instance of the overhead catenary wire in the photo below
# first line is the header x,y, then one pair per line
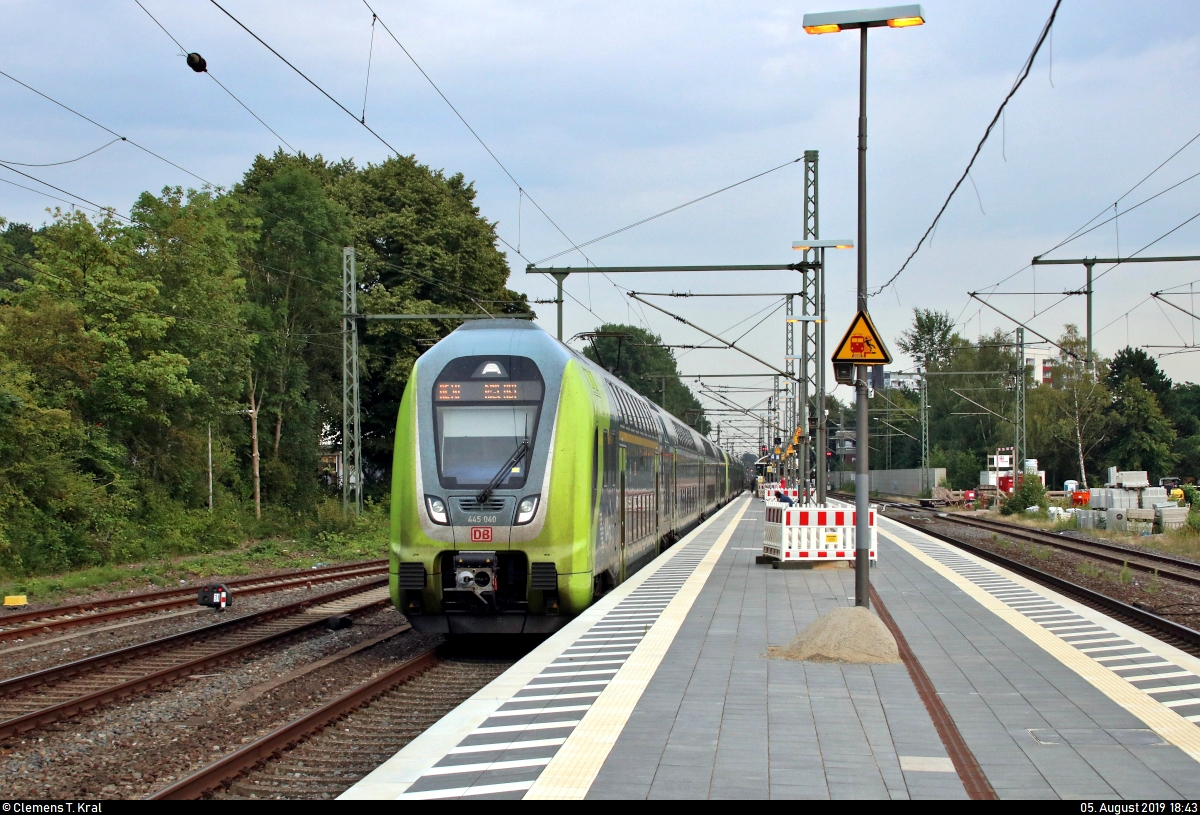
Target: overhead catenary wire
x,y
68,161
183,51
125,139
306,78
1024,72
370,58
210,183
48,195
669,211
113,212
521,191
467,124
1143,180
1084,229
131,304
1126,212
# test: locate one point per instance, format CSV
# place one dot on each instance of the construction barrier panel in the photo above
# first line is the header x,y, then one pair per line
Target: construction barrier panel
x,y
814,533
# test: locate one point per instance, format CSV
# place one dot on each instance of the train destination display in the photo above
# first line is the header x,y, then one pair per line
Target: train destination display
x,y
488,392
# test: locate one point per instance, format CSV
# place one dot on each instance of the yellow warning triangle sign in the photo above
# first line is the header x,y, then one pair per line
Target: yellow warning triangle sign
x,y
862,343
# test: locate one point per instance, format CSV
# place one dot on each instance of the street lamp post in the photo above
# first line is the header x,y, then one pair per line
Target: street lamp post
x,y
829,23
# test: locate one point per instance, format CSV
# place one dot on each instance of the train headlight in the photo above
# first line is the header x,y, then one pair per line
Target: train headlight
x,y
526,509
437,510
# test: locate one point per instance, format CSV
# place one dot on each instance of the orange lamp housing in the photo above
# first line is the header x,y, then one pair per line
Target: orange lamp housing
x,y
828,22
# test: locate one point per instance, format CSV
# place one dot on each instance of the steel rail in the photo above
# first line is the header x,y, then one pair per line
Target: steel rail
x,y
88,701
148,602
1113,553
1100,550
246,758
1148,621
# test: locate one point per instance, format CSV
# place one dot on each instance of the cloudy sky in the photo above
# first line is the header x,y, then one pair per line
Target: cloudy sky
x,y
609,112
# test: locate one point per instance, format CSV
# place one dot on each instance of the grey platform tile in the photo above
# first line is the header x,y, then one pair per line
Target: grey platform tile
x,y
920,789
805,792
814,729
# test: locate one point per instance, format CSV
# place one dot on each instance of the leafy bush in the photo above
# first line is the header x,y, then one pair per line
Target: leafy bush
x,y
1030,492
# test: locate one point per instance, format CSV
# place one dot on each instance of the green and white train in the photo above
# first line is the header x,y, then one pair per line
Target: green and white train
x,y
528,481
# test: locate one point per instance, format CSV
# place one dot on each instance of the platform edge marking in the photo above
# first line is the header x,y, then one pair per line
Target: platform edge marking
x,y
392,778
570,774
1168,724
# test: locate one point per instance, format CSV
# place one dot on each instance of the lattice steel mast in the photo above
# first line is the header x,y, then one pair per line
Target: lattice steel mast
x,y
351,415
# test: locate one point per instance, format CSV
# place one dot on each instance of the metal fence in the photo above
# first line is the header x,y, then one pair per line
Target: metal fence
x,y
891,482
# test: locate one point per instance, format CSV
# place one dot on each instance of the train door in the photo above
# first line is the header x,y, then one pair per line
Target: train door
x,y
658,532
621,504
675,491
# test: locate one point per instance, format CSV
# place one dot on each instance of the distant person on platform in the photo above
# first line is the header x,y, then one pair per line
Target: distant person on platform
x,y
783,499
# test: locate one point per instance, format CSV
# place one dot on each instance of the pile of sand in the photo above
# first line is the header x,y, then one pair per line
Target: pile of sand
x,y
851,634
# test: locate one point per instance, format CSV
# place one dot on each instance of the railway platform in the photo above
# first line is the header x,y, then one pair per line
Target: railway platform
x,y
664,689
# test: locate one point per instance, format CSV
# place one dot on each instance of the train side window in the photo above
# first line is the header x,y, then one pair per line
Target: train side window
x,y
607,464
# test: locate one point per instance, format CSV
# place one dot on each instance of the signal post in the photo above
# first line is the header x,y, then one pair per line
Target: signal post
x,y
860,348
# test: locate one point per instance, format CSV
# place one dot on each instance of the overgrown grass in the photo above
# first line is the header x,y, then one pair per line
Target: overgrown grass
x,y
284,544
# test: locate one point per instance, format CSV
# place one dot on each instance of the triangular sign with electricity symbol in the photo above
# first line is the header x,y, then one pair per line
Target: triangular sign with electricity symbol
x,y
862,344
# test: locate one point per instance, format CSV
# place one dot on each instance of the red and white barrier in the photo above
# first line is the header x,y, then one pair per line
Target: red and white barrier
x,y
769,490
814,534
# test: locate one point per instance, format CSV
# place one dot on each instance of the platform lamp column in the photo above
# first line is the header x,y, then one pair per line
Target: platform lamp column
x,y
828,23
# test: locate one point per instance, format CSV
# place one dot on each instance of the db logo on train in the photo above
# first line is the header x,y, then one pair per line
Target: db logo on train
x,y
481,534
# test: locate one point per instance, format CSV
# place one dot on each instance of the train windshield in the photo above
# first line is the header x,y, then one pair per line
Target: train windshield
x,y
484,407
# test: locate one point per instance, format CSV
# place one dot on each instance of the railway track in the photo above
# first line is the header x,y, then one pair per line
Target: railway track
x,y
1182,637
37,699
14,625
1168,566
324,752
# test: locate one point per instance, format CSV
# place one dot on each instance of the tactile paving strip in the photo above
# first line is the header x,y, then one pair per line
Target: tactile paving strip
x,y
506,753
1166,682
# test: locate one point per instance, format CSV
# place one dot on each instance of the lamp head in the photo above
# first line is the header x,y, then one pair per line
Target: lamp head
x,y
829,22
813,243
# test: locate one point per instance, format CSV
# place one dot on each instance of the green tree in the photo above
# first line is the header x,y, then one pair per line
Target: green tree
x,y
931,339
16,243
1073,414
638,359
1142,437
1137,364
292,383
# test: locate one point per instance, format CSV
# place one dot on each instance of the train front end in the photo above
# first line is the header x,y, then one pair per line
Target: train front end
x,y
491,523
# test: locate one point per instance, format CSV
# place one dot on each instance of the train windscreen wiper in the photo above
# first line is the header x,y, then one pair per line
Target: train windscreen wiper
x,y
505,471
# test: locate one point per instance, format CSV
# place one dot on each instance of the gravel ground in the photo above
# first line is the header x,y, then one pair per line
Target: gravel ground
x,y
22,656
331,761
1100,577
142,743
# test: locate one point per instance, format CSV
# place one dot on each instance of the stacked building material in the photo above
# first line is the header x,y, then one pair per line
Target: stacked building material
x,y
1151,496
1171,517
